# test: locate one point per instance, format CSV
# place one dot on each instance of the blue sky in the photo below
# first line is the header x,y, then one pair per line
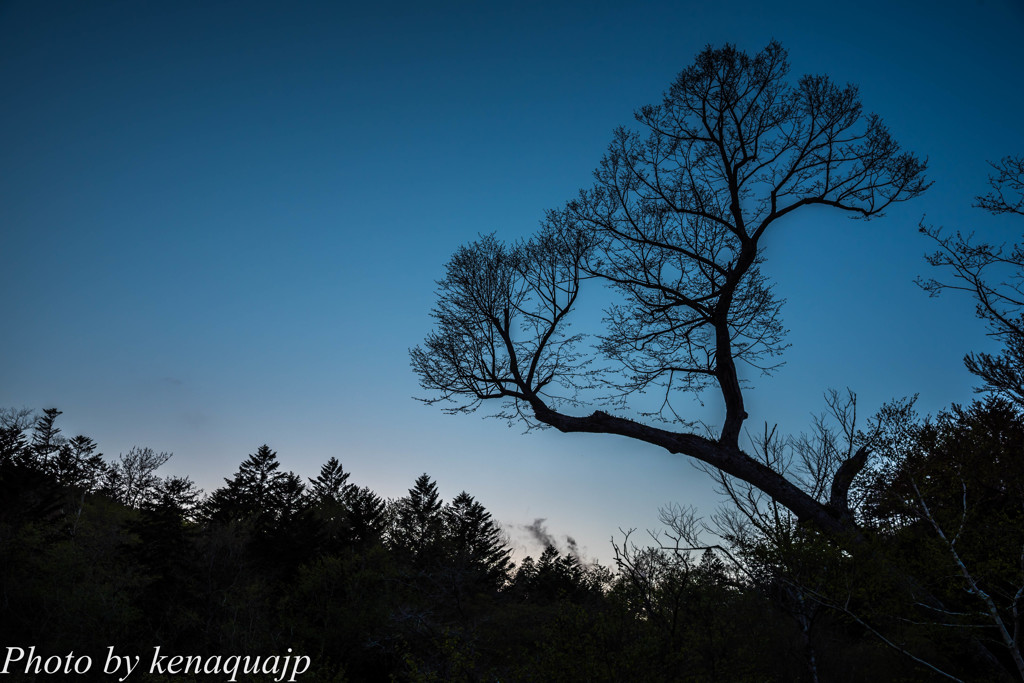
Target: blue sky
x,y
221,222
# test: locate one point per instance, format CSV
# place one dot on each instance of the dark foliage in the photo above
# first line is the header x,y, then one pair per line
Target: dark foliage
x,y
420,589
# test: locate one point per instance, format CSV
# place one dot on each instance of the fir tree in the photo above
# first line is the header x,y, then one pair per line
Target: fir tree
x,y
418,524
367,517
253,492
46,439
331,485
475,542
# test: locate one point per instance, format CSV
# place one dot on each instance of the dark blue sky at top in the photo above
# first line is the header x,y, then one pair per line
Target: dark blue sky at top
x,y
221,222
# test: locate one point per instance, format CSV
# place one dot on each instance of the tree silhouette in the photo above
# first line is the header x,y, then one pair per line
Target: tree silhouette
x,y
253,492
176,496
418,524
166,551
28,490
556,577
994,275
13,445
475,543
673,226
14,423
367,517
329,495
330,486
78,465
46,439
132,479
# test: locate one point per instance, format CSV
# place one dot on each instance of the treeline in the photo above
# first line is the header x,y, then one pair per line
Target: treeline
x,y
97,553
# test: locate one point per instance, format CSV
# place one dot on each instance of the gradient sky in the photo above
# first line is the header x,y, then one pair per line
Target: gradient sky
x,y
221,222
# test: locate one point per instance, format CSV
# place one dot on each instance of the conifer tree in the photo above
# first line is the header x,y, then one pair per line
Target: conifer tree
x,y
474,541
46,439
14,423
77,465
418,524
166,534
331,485
26,491
367,518
290,498
330,495
177,496
254,491
13,445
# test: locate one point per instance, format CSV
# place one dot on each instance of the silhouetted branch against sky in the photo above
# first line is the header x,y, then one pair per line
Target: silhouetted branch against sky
x,y
993,276
673,224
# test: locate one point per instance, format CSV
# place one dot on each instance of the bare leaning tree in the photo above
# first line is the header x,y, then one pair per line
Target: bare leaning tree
x,y
673,226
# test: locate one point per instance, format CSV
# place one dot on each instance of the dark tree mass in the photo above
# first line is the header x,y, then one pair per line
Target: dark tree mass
x,y
419,588
890,548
